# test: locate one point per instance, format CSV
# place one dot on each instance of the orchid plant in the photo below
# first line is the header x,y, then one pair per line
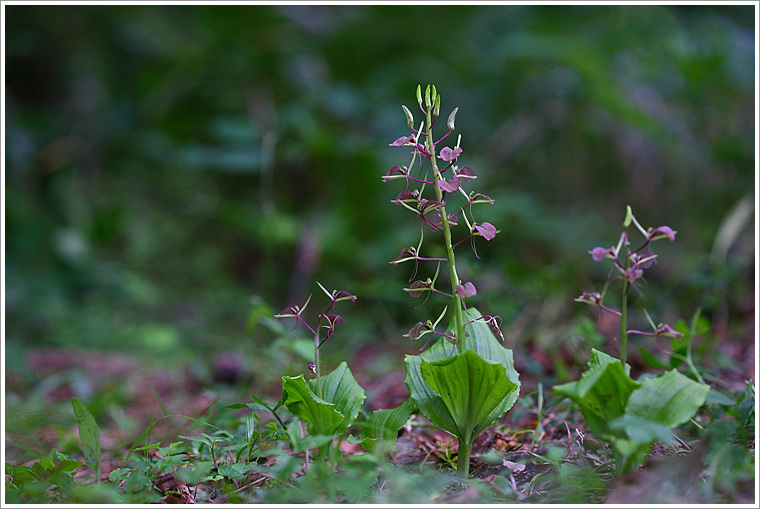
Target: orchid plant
x,y
466,379
631,414
329,404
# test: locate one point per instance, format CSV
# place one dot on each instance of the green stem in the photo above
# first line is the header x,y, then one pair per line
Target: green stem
x,y
316,363
623,322
463,459
624,308
456,299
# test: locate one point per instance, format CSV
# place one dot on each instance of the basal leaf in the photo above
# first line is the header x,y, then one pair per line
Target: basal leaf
x,y
472,389
335,411
480,340
602,392
322,417
341,389
669,399
384,424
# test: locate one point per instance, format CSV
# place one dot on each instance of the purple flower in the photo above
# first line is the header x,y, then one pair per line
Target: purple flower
x,y
465,173
417,288
417,330
453,219
487,230
332,321
447,154
590,298
667,231
643,262
405,196
600,253
633,273
666,330
450,185
468,290
404,140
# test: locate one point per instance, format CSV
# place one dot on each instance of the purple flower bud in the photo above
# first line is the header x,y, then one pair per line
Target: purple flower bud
x,y
487,230
404,140
468,290
448,154
663,230
450,185
312,367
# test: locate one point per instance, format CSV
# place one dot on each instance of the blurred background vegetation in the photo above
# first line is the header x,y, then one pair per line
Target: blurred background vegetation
x,y
177,174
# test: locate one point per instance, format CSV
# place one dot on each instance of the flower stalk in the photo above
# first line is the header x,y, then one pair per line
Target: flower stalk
x,y
631,270
437,178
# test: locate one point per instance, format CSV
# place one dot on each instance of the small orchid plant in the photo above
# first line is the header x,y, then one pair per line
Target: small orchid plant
x,y
630,413
329,404
630,271
466,392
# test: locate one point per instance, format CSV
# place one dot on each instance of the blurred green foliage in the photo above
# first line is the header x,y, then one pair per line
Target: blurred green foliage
x,y
164,164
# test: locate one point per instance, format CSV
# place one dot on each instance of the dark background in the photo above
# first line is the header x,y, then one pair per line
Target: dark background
x,y
177,174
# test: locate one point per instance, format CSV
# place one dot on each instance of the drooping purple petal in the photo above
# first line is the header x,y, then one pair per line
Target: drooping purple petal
x,y
405,195
480,198
343,295
396,169
400,142
664,230
465,172
448,154
600,253
487,230
450,185
404,255
466,290
417,288
416,331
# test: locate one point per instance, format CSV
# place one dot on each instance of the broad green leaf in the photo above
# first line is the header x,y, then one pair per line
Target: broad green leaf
x,y
341,389
383,425
669,399
89,435
602,392
482,341
472,389
641,430
430,404
321,416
